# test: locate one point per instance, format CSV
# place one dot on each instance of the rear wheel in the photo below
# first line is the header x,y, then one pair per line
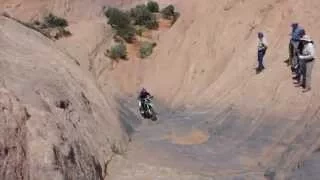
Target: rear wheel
x,y
154,118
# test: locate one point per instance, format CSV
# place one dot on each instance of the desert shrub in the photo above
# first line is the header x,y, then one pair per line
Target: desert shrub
x,y
175,17
117,18
146,49
143,17
127,33
168,12
62,33
121,22
118,50
118,39
66,33
54,21
153,6
152,23
37,22
139,30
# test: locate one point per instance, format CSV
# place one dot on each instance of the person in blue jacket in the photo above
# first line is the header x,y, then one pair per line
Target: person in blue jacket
x,y
297,33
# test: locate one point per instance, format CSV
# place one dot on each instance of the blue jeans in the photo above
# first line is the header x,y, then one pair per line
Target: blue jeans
x,y
261,54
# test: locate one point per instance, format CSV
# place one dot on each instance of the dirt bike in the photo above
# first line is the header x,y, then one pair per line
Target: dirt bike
x,y
146,109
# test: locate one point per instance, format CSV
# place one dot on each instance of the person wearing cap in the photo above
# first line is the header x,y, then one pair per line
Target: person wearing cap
x,y
262,48
307,57
297,33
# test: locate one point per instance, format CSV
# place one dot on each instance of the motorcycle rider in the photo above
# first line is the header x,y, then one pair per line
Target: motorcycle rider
x,y
143,95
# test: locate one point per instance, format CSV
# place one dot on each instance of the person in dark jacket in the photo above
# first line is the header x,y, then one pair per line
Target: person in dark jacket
x,y
295,41
297,67
294,27
143,95
262,48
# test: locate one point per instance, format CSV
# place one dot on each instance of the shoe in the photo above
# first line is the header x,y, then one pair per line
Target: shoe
x,y
258,70
306,90
297,82
295,77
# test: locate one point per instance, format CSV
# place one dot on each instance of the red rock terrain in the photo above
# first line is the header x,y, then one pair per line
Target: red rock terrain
x,y
217,118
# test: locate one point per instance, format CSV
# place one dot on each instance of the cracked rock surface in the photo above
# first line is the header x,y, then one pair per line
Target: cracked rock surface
x,y
55,122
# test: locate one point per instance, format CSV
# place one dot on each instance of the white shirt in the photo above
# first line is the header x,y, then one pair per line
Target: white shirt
x,y
262,44
308,52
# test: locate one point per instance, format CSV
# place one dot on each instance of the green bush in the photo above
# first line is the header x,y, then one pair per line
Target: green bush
x,y
143,17
146,49
54,21
153,6
121,22
140,30
117,18
168,12
127,33
118,51
175,17
152,23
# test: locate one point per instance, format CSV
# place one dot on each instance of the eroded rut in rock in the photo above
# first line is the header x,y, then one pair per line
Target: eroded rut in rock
x,y
13,145
194,144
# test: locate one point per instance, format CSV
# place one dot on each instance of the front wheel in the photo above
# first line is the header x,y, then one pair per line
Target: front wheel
x,y
153,115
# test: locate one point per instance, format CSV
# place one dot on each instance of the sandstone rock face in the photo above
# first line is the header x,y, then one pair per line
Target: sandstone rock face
x,y
13,137
56,124
204,68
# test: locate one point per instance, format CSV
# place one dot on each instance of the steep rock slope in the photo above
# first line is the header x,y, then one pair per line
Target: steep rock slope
x,y
13,145
205,65
90,33
212,50
56,123
71,9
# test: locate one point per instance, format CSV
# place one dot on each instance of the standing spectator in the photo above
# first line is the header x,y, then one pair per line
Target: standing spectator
x,y
295,27
262,48
296,43
307,57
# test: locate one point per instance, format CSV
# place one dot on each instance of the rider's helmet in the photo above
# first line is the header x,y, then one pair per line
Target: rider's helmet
x,y
294,25
260,34
143,90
